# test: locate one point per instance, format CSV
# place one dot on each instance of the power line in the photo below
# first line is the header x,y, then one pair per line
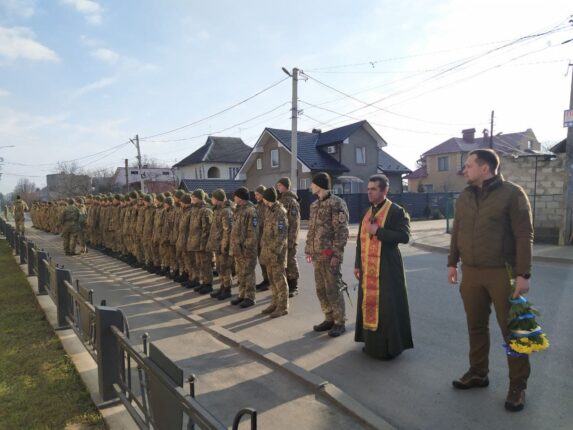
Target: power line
x,y
217,113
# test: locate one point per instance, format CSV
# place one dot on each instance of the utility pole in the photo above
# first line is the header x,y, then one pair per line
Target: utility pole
x,y
491,131
567,230
136,143
294,130
126,176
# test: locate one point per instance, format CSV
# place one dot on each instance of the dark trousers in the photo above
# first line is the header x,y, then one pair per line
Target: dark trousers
x,y
480,287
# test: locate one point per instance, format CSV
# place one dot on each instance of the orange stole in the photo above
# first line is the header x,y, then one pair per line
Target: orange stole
x,y
371,249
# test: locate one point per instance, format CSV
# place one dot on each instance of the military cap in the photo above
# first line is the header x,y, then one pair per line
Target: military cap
x,y
80,200
133,194
160,197
199,193
322,179
270,195
260,189
169,200
148,198
284,181
220,195
179,193
167,193
186,198
140,193
242,193
71,201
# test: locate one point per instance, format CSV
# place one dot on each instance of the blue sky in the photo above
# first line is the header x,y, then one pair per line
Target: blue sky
x,y
78,77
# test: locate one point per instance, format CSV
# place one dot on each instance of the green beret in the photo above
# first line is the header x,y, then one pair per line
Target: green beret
x,y
186,198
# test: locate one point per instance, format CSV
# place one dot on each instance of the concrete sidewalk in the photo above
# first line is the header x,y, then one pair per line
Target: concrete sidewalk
x,y
232,371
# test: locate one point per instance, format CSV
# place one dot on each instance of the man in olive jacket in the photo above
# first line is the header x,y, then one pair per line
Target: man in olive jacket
x,y
492,236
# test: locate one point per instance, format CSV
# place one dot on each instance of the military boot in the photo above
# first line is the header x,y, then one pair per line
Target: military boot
x,y
336,330
269,309
323,326
237,300
206,289
215,294
278,313
225,293
263,285
292,287
198,287
184,277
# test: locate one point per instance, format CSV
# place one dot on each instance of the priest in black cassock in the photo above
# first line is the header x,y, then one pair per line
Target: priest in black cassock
x,y
383,317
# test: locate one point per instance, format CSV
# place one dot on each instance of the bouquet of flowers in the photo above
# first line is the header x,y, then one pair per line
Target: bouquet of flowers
x,y
526,336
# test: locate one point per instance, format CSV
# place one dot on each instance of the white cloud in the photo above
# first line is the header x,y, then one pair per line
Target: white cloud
x,y
94,86
90,9
4,93
106,55
18,42
19,8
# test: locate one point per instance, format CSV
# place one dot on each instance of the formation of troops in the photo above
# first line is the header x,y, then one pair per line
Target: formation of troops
x,y
190,237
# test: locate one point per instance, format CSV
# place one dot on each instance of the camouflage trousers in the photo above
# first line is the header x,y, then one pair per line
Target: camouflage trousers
x,y
20,229
206,267
327,290
225,269
164,254
68,236
192,263
292,264
154,252
245,266
279,288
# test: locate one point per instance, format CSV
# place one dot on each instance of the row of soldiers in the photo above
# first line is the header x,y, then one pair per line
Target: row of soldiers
x,y
180,235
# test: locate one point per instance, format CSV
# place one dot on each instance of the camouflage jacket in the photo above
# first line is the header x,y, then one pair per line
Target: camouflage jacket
x,y
199,228
327,228
274,240
167,226
220,234
177,214
20,207
245,231
140,220
261,215
70,218
158,224
183,230
290,202
148,218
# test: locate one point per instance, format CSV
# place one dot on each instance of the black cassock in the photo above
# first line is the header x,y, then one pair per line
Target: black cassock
x,y
394,333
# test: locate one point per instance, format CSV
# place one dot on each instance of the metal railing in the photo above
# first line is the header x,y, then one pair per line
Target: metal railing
x,y
148,383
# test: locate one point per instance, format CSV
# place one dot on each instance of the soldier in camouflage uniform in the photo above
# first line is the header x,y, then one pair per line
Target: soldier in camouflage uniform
x,y
290,201
165,237
79,237
156,237
274,248
147,235
20,207
244,246
219,241
199,229
182,237
70,224
325,242
261,214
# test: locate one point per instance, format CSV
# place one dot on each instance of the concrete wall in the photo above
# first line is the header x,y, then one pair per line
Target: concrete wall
x,y
192,171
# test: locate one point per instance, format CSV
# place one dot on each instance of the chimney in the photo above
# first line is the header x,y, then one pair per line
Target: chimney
x,y
316,131
485,134
468,135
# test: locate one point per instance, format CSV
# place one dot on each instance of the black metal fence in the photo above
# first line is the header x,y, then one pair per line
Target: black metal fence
x,y
147,382
418,205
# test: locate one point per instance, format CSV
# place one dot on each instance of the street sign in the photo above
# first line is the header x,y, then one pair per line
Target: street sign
x,y
568,118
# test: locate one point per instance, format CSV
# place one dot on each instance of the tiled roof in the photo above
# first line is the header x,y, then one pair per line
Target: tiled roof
x,y
307,152
220,150
421,172
337,135
504,144
389,164
210,185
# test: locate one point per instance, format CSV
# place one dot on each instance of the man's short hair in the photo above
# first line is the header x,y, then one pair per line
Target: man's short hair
x,y
486,156
383,181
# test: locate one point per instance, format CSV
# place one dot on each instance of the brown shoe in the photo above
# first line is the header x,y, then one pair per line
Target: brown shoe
x,y
515,400
269,310
278,313
470,380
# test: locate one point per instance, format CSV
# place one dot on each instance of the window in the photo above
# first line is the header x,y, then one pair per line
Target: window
x,y
429,188
166,173
233,172
213,172
274,158
304,184
360,155
443,164
259,164
331,149
135,172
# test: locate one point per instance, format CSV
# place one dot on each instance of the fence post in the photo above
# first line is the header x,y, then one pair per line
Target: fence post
x,y
42,271
23,250
31,259
62,296
108,350
16,242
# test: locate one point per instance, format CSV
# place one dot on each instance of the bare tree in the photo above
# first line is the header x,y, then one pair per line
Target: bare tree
x,y
27,191
102,179
70,180
149,162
